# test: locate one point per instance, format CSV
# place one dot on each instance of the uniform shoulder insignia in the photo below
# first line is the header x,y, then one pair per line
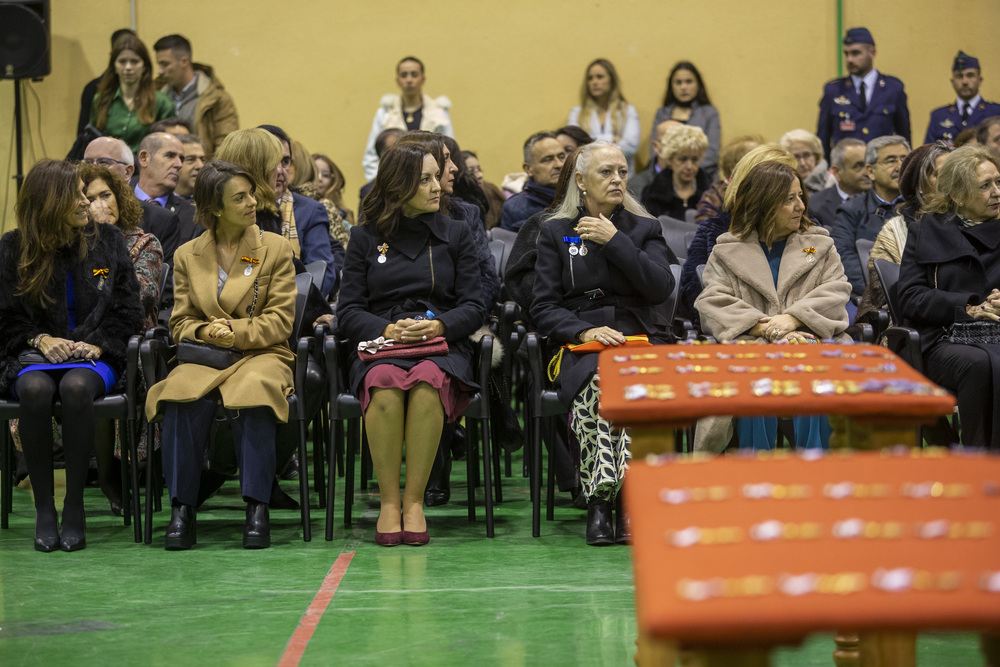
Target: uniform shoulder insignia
x,y
947,123
841,100
981,106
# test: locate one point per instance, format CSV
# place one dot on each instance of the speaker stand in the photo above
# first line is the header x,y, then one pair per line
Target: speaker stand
x,y
19,176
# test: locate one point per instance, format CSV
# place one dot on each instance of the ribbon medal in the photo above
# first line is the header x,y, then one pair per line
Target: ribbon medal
x,y
810,253
382,250
250,262
101,275
574,246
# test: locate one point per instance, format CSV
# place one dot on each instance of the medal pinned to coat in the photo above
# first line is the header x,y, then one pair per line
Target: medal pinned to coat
x,y
576,246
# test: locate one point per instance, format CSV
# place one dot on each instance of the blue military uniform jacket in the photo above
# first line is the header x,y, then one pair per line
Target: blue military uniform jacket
x,y
946,122
840,114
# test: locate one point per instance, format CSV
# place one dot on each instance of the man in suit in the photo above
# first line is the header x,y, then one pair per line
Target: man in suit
x,y
865,105
969,108
161,157
306,223
863,216
847,164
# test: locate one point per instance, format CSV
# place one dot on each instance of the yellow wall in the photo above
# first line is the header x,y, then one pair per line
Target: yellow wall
x,y
319,67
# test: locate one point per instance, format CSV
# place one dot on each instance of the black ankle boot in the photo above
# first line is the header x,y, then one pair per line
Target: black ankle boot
x,y
623,526
599,530
257,529
438,491
181,533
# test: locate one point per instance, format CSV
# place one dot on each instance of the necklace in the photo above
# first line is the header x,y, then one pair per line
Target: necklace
x,y
409,114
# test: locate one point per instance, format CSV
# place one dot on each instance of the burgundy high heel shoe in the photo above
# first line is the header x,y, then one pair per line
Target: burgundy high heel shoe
x,y
389,539
415,539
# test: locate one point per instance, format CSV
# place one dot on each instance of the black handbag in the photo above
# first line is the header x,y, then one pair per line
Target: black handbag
x,y
31,358
195,352
976,331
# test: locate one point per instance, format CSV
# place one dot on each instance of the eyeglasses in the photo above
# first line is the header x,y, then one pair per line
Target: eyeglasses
x,y
102,161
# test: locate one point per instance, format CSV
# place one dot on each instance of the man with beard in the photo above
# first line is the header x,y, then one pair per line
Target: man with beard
x,y
865,105
969,108
863,216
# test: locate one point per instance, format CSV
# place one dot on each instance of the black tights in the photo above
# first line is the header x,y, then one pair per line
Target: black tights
x,y
37,391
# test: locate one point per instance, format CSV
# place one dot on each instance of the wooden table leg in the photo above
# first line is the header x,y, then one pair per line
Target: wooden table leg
x,y
989,644
654,652
647,441
847,653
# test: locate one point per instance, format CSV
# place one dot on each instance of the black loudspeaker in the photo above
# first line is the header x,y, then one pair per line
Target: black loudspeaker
x,y
24,39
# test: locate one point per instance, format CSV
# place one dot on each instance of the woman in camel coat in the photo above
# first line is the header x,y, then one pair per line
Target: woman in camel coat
x,y
773,276
234,288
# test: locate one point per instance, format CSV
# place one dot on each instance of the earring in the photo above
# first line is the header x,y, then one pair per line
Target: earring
x,y
584,193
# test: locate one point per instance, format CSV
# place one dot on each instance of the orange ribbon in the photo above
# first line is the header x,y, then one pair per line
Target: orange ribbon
x,y
101,272
810,250
249,260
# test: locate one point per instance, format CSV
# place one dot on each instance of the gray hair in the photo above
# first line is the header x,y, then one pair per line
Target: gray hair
x,y
127,156
872,149
572,200
837,154
802,136
532,140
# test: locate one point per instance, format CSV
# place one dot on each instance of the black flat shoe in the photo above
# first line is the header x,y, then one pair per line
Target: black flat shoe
x,y
438,491
623,525
181,532
257,529
73,543
599,530
281,500
46,541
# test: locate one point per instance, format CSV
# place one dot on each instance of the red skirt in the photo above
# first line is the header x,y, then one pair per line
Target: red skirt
x,y
455,397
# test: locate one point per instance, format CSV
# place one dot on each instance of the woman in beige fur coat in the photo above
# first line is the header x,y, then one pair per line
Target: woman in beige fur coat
x,y
774,276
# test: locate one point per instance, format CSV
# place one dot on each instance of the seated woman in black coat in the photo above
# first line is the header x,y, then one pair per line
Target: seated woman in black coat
x,y
411,274
950,273
603,267
70,293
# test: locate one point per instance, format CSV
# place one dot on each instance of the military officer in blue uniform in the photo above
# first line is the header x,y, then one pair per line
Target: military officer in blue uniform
x,y
968,110
865,105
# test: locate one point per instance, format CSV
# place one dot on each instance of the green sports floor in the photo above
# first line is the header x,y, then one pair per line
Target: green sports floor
x,y
463,599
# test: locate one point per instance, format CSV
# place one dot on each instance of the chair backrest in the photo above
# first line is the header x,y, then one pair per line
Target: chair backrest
x,y
499,251
669,307
678,234
689,215
302,283
317,270
864,248
888,273
700,270
501,234
165,275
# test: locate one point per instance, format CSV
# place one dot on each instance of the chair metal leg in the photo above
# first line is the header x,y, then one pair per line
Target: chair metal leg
x,y
550,495
536,476
353,444
304,483
133,468
150,477
6,484
497,476
123,474
333,431
472,442
487,475
319,449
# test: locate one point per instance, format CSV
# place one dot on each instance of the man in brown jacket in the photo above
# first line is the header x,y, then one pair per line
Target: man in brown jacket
x,y
197,95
